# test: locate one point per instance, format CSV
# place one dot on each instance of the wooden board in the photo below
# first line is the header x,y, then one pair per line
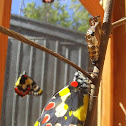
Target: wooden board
x,y
93,7
5,8
119,65
114,73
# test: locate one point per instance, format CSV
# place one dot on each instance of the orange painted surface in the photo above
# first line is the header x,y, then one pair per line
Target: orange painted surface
x,y
107,88
114,73
107,85
119,65
5,8
93,7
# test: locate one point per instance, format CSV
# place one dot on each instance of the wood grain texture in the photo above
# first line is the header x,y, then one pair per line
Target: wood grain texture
x,y
5,8
119,65
107,88
106,117
114,73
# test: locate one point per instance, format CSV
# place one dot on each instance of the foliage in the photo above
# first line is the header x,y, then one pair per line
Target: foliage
x,y
51,13
80,16
55,13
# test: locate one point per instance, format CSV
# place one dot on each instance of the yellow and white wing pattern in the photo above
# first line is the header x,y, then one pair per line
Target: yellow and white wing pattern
x,y
69,106
26,85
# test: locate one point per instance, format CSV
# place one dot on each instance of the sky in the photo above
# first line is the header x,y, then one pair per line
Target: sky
x,y
16,4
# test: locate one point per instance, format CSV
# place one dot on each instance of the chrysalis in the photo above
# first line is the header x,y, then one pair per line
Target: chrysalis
x,y
93,38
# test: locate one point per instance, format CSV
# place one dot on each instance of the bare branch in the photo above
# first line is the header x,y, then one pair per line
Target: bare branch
x,y
106,29
119,22
29,42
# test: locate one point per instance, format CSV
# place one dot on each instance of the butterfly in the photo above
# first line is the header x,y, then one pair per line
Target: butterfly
x,y
69,106
48,1
93,38
26,85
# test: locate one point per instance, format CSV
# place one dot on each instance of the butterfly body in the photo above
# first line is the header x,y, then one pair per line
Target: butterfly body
x,y
68,107
26,85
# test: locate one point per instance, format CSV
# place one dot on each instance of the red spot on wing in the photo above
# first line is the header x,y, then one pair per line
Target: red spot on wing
x,y
72,125
25,76
21,93
74,84
46,118
28,88
48,124
26,92
16,89
50,106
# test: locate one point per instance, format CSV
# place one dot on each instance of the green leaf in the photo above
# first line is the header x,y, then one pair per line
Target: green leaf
x,y
56,13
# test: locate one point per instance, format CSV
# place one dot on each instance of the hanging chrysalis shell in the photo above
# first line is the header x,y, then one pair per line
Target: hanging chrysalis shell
x,y
93,38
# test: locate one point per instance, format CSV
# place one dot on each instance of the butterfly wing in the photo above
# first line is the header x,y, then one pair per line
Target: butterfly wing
x,y
26,85
35,89
68,107
48,1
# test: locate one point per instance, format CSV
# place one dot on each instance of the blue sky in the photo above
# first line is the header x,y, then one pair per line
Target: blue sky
x,y
16,4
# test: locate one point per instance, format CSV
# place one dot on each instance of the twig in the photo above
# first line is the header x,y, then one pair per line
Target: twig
x,y
29,42
118,23
106,29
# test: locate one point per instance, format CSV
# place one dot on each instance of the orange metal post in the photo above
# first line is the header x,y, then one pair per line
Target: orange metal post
x,y
107,88
5,8
93,7
114,74
119,65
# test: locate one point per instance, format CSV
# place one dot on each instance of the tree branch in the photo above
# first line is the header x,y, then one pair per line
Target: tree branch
x,y
29,42
118,23
106,29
